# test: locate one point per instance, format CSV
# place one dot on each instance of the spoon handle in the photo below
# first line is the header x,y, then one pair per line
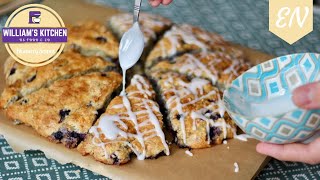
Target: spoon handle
x,y
136,10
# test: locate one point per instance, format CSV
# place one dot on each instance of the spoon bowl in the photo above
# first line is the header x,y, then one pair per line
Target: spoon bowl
x,y
131,47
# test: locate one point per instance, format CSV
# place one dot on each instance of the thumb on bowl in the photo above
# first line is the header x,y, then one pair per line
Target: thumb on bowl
x,y
307,96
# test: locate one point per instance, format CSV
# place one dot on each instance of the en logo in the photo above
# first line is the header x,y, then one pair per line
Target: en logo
x,y
291,19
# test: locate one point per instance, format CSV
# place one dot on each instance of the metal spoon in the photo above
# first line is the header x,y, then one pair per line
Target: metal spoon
x,y
131,45
132,41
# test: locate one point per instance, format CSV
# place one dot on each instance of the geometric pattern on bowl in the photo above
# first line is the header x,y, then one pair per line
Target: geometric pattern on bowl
x,y
273,79
280,130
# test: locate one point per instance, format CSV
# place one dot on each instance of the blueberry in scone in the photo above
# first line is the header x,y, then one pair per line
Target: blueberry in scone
x,y
65,111
130,124
187,38
194,110
92,39
219,68
22,80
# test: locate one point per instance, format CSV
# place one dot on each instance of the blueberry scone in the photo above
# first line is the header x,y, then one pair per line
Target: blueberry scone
x,y
131,124
194,110
65,111
185,38
22,80
217,67
151,25
92,39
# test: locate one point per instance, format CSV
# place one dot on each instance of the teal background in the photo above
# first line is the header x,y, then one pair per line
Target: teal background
x,y
244,22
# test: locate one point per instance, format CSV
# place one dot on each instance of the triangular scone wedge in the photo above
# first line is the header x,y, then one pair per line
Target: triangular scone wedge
x,y
219,68
185,38
195,111
92,39
22,80
151,25
65,111
131,124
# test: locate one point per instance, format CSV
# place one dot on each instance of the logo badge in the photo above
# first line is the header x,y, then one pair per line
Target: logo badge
x,y
34,35
291,19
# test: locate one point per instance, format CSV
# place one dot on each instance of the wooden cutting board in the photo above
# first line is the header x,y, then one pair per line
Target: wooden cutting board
x,y
212,163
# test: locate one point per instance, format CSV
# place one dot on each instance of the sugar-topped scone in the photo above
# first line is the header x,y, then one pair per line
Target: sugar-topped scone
x,y
66,110
151,25
195,111
131,124
92,39
185,38
217,67
22,80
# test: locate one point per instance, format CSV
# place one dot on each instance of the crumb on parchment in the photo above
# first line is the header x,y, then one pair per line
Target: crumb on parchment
x,y
188,153
236,167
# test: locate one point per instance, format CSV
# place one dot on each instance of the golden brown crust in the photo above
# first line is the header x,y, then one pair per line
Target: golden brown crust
x,y
60,100
185,38
151,25
66,110
22,80
217,67
117,151
92,39
193,110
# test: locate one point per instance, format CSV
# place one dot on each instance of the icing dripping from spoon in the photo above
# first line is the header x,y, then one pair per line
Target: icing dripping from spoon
x,y
131,45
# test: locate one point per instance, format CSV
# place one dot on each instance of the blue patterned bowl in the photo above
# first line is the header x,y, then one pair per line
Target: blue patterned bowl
x,y
259,100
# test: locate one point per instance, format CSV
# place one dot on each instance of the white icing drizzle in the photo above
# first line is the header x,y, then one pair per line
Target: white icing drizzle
x,y
109,128
195,87
179,107
189,153
222,109
108,123
197,67
141,84
195,116
133,118
148,24
189,35
192,64
221,112
234,70
236,167
123,92
242,137
118,106
189,88
210,122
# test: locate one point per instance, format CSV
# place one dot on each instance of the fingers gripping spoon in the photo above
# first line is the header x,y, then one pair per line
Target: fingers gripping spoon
x,y
131,45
